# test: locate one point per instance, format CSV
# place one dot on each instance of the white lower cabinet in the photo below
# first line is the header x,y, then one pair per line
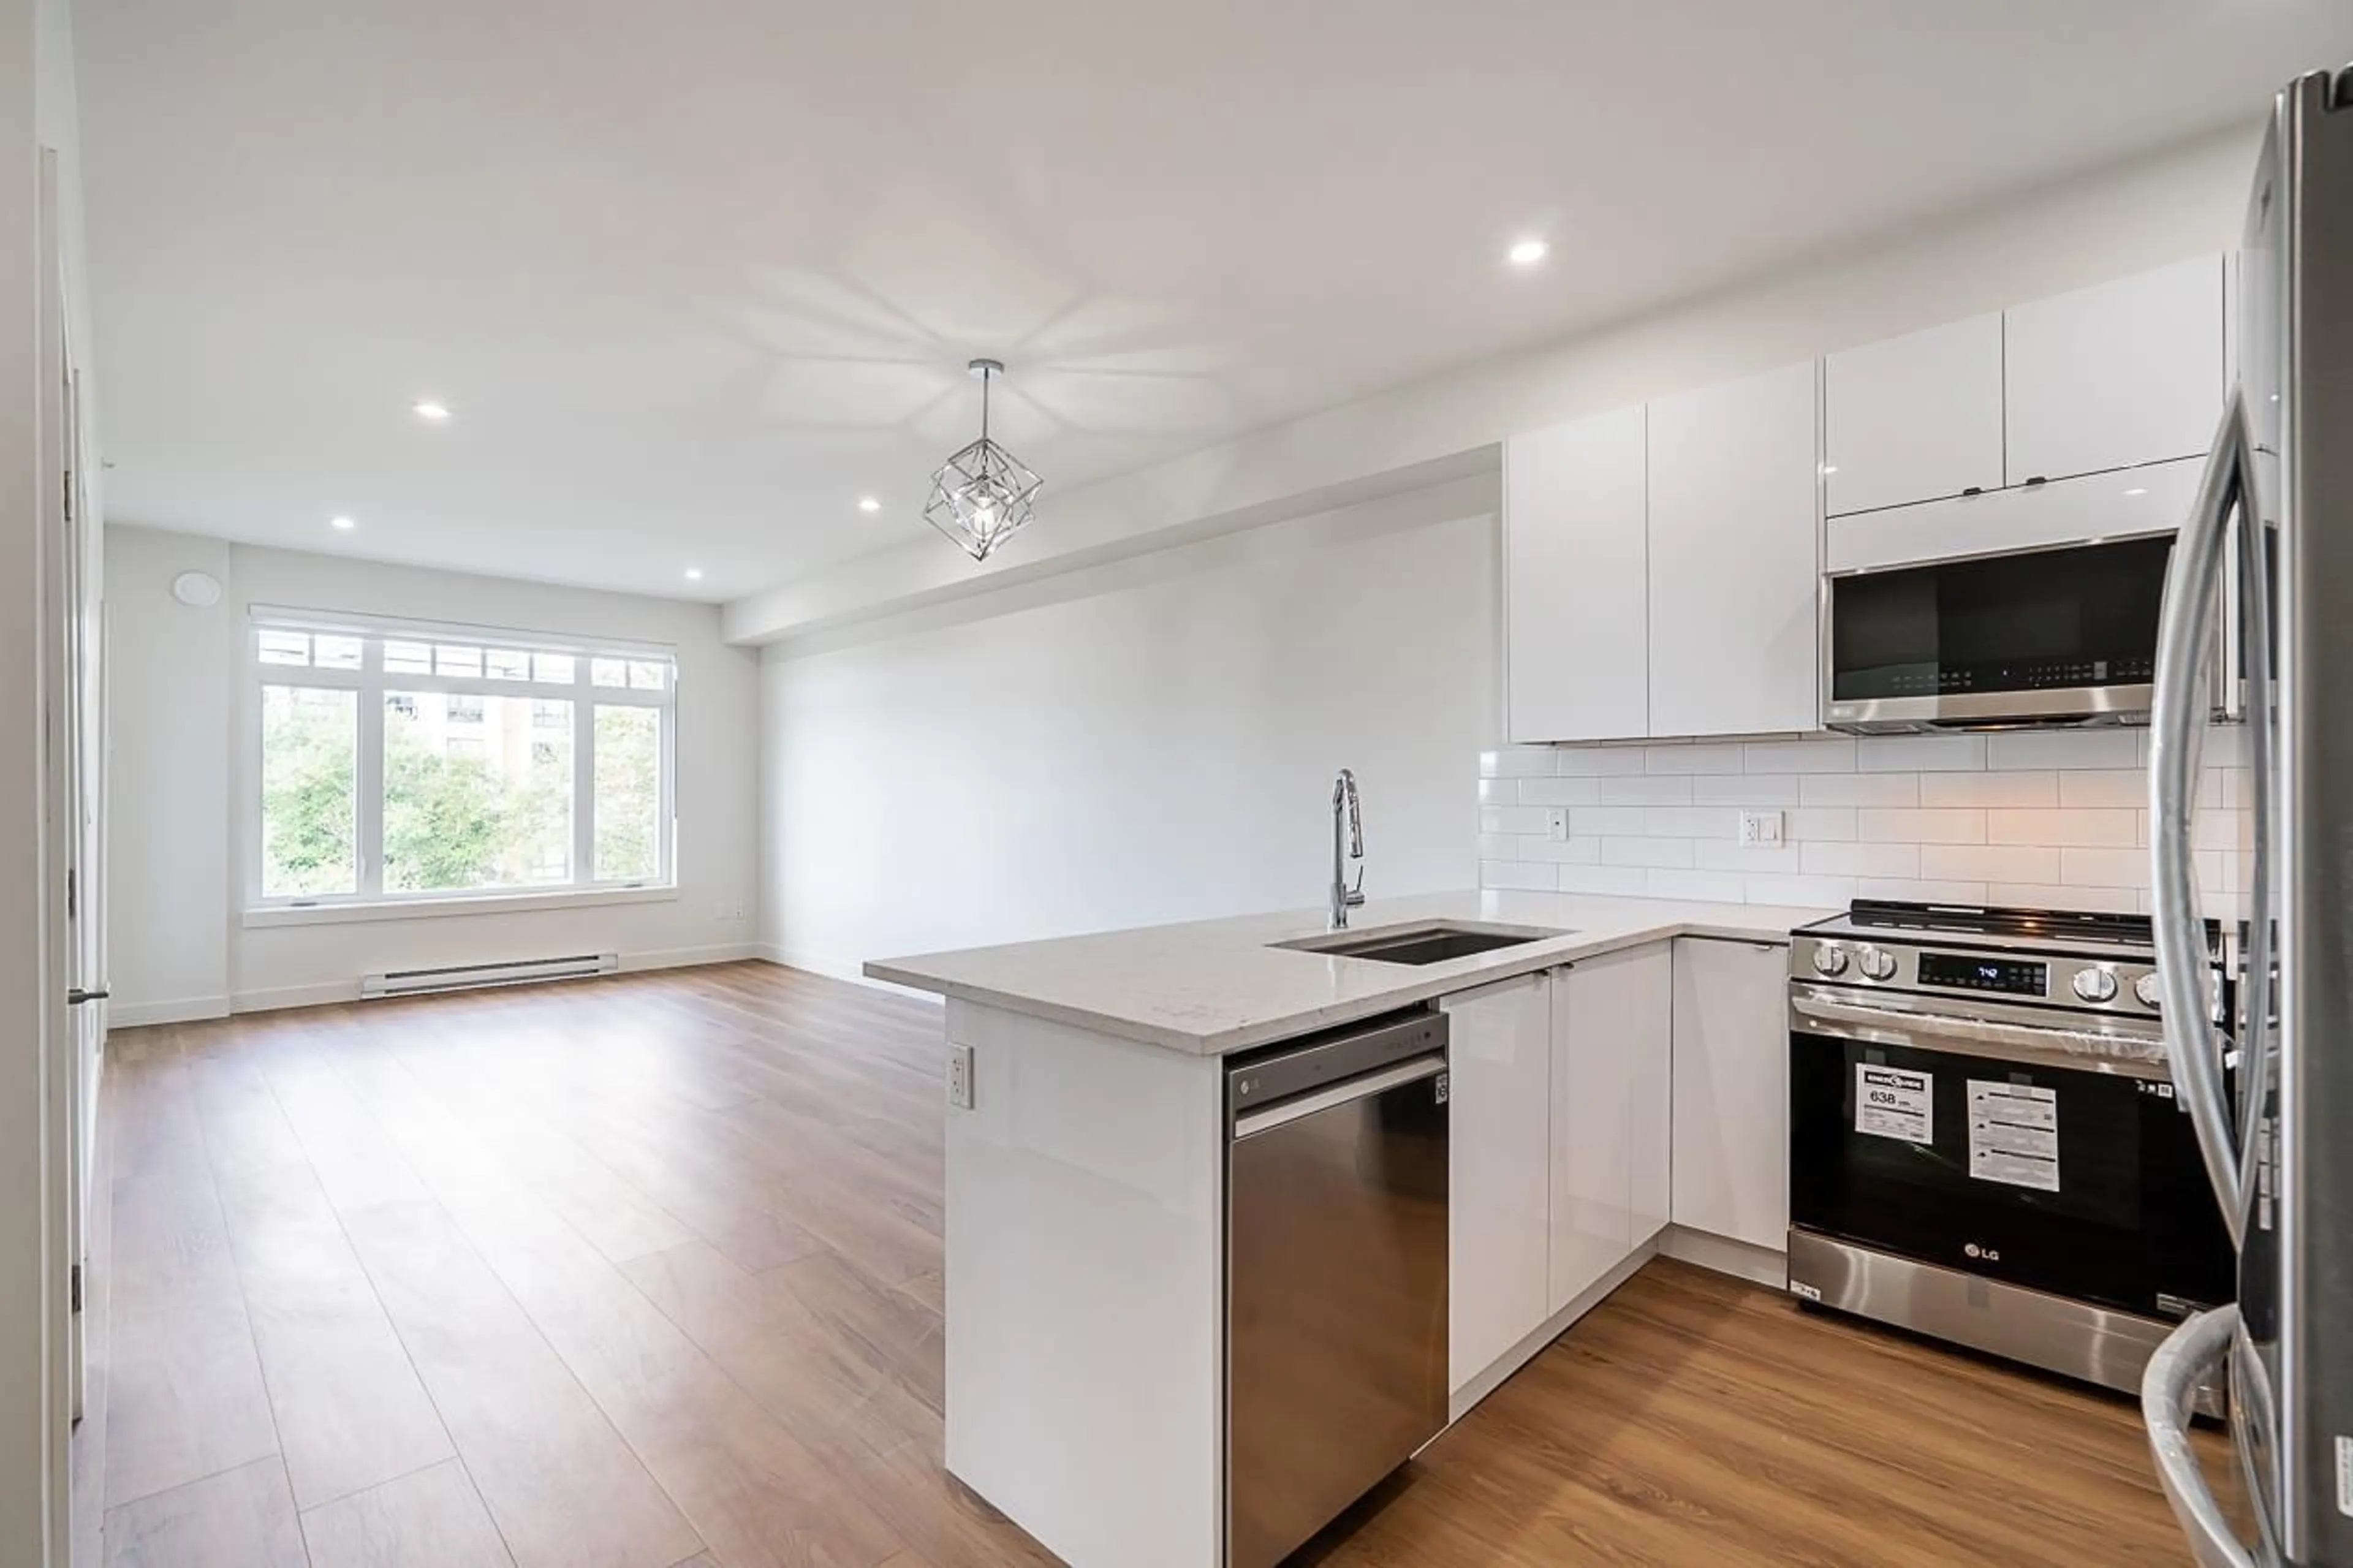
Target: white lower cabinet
x,y
1499,1170
1731,1117
1611,1040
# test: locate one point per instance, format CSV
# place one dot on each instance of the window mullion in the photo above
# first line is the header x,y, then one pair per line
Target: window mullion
x,y
368,774
583,778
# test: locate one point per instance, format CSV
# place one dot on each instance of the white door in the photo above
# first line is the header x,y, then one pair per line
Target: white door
x,y
1912,418
1574,566
1733,557
2117,375
1732,1090
1613,1043
1499,1059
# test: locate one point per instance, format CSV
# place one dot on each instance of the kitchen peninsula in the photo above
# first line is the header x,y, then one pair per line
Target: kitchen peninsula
x,y
1086,1211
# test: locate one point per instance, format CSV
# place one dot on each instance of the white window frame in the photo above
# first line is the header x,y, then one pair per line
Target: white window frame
x,y
370,899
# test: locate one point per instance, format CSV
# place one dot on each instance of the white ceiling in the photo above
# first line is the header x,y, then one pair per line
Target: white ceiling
x,y
696,275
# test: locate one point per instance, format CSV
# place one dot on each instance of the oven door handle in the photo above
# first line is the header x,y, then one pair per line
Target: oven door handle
x,y
1815,1011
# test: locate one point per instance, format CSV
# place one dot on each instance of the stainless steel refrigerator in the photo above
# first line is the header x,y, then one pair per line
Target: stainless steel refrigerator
x,y
2262,578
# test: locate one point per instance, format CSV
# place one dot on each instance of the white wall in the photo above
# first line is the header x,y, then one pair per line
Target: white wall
x,y
181,682
1143,743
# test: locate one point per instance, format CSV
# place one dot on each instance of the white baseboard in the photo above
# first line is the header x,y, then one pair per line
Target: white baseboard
x,y
688,957
1460,1403
833,969
1741,1259
185,1010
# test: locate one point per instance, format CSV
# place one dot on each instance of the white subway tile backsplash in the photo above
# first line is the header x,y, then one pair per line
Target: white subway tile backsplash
x,y
1878,827
1808,823
1829,859
2026,789
1691,822
1656,789
2225,746
1590,762
1516,762
2054,896
1991,862
1724,855
1712,758
1606,821
1559,791
1763,791
1920,753
1716,886
2088,829
1829,892
1919,891
2051,819
2065,749
1511,819
1831,754
1626,881
1667,852
1860,789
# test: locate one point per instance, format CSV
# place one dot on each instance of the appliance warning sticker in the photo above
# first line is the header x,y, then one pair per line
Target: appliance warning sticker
x,y
1890,1102
2014,1134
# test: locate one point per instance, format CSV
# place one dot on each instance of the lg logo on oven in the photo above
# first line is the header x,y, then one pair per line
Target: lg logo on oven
x,y
1984,1253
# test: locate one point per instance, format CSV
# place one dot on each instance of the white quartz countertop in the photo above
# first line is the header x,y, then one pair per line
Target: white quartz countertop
x,y
1208,987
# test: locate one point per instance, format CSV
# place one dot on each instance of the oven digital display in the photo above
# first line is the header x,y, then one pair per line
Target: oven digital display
x,y
1968,973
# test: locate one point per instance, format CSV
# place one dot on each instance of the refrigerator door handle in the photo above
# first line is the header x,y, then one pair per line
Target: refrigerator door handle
x,y
2177,717
2186,1360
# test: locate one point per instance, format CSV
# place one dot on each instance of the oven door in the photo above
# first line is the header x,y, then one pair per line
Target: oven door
x,y
2066,634
2044,1150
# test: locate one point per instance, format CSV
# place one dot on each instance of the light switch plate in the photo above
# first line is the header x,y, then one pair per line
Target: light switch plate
x,y
1760,827
1557,824
960,1077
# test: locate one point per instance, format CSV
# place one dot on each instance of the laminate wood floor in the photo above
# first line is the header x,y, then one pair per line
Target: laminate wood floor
x,y
645,1273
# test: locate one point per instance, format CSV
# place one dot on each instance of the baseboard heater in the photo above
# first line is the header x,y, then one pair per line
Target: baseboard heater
x,y
475,977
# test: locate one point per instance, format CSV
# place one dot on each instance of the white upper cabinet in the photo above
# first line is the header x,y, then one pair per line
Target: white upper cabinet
x,y
1575,560
1499,1171
1914,418
2123,373
1612,1050
1733,546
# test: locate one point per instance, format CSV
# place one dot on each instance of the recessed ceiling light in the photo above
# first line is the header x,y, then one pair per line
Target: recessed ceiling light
x,y
341,525
432,413
1830,468
868,503
1528,252
2138,490
695,574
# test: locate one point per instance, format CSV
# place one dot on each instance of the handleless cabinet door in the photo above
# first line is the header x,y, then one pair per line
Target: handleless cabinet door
x,y
1499,1052
2112,377
1611,1049
1913,418
1575,565
1734,550
1732,1090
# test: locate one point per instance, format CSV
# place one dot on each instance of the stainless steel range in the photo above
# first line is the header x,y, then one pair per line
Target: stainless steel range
x,y
1985,1142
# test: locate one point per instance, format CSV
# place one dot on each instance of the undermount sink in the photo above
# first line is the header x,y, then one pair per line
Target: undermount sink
x,y
1424,942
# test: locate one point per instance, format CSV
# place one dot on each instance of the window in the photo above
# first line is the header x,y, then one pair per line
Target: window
x,y
407,762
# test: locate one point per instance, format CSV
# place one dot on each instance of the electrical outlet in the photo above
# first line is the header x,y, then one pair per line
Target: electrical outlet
x,y
1761,828
1557,824
960,1077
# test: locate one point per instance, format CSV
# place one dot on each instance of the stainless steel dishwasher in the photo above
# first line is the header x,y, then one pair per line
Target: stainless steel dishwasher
x,y
1335,1274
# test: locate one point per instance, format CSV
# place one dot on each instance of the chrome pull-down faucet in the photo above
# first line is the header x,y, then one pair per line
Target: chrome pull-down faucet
x,y
1343,805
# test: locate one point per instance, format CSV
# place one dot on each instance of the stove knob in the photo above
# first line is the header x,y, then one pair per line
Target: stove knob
x,y
1878,964
2096,985
1829,961
2151,993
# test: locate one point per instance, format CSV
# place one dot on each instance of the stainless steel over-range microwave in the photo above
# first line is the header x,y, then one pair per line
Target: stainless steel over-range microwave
x,y
2062,634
